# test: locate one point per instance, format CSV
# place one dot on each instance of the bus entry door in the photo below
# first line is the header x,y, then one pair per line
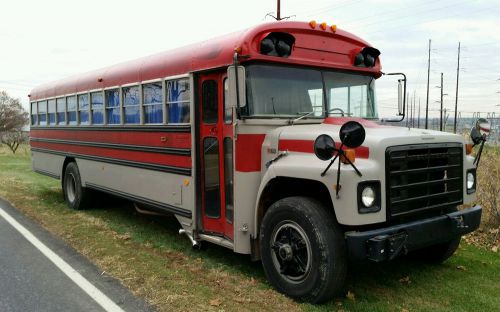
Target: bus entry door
x,y
216,153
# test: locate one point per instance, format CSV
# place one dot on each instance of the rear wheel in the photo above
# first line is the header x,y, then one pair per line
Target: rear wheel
x,y
75,195
303,250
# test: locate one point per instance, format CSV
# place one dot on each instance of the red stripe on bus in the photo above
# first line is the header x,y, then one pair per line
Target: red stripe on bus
x,y
248,152
307,146
156,139
137,156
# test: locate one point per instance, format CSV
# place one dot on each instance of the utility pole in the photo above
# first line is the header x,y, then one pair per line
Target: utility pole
x,y
278,14
418,121
441,110
413,109
428,77
456,94
407,109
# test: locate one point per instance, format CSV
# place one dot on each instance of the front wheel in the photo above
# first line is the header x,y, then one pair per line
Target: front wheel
x,y
303,250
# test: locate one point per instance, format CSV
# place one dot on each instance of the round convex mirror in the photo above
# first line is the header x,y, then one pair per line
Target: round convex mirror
x,y
352,134
324,147
483,125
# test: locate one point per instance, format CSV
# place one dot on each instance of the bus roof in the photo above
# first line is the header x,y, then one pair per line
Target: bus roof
x,y
313,47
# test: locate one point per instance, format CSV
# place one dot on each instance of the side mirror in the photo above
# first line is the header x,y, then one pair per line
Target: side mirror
x,y
400,98
480,131
237,89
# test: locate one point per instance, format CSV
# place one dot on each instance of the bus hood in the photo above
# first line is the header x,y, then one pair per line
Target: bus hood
x,y
300,138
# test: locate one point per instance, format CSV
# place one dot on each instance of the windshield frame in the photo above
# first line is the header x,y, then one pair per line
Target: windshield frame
x,y
370,96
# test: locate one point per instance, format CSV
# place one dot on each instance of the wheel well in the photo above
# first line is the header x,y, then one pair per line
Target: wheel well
x,y
67,160
281,187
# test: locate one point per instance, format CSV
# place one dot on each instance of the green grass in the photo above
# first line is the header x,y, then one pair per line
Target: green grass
x,y
150,258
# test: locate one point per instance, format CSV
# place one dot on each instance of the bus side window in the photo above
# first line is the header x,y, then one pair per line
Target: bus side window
x,y
131,113
97,107
152,95
34,112
113,106
42,113
71,111
178,98
61,111
52,112
83,109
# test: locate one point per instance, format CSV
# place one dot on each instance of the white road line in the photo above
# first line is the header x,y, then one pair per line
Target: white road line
x,y
106,303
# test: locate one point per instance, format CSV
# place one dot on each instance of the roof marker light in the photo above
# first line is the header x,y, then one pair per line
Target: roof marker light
x,y
333,28
323,26
312,24
238,50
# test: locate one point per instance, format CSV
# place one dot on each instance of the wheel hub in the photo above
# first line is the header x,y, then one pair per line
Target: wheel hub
x,y
292,251
285,252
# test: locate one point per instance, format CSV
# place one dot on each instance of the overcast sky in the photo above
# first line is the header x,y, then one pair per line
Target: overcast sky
x,y
47,40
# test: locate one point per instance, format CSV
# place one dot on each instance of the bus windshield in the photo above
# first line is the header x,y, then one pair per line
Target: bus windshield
x,y
290,92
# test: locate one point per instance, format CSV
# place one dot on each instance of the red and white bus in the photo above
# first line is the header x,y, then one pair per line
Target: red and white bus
x,y
233,135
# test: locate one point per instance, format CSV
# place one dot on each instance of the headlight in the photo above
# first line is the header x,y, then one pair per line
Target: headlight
x,y
368,196
471,181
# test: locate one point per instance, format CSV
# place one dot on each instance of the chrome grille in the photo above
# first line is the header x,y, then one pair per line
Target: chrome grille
x,y
423,177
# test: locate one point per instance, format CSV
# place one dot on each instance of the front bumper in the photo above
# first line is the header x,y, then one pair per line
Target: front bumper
x,y
387,243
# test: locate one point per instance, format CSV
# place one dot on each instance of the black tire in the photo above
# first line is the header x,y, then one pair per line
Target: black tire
x,y
75,195
437,253
295,228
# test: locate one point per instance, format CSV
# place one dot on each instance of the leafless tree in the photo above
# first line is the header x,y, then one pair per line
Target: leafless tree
x,y
13,118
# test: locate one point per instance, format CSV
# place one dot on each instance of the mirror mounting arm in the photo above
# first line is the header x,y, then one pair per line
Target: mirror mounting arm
x,y
404,96
478,156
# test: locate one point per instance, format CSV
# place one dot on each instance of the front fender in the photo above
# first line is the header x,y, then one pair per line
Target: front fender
x,y
308,166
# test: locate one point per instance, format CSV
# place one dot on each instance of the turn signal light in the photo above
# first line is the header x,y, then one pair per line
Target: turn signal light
x,y
323,26
312,24
468,149
349,154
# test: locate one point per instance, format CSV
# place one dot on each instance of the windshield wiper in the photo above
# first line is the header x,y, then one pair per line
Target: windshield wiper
x,y
292,121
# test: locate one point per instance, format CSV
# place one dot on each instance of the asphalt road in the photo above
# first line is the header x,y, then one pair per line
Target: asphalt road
x,y
30,281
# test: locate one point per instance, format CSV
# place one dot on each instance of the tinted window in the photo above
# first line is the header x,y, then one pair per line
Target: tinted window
x,y
209,101
211,177
97,107
228,177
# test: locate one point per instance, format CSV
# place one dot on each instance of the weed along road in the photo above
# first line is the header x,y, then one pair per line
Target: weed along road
x,y
40,273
